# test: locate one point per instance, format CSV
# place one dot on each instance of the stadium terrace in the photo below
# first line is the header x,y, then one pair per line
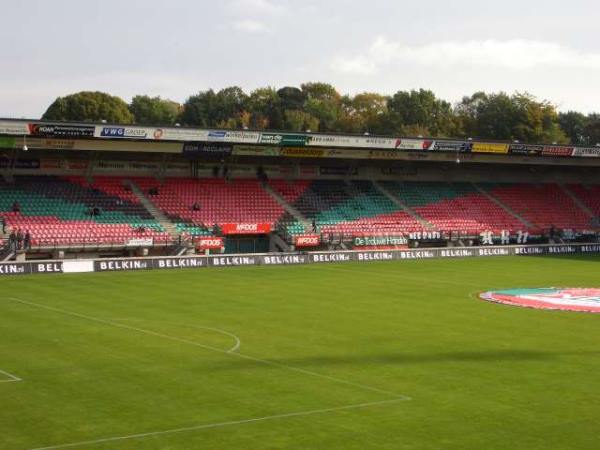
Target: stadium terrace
x,y
97,191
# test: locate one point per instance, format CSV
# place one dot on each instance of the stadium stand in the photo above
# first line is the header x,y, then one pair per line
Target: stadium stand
x,y
60,210
70,211
196,205
543,205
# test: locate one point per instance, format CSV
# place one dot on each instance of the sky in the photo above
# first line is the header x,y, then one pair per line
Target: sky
x,y
176,48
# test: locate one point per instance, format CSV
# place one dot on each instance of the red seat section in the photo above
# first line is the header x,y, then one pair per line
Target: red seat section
x,y
218,201
543,205
57,211
588,195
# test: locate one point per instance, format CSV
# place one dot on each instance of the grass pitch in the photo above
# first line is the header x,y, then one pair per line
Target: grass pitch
x,y
350,356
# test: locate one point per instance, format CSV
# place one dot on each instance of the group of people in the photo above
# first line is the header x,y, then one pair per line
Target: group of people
x,y
19,240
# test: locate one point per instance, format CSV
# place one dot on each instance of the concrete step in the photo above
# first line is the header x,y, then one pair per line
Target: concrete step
x,y
289,208
577,201
503,206
156,213
394,199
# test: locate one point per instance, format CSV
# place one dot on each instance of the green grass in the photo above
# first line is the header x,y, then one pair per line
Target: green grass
x,y
321,337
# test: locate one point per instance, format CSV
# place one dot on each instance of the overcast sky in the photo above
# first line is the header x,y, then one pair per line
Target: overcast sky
x,y
175,48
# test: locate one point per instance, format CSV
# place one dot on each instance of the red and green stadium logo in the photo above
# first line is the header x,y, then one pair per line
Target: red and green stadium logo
x,y
564,299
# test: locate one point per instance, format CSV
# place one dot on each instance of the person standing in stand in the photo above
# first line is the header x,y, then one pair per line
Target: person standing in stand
x,y
27,240
19,239
12,241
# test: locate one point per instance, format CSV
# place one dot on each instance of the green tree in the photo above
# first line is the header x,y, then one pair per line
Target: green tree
x,y
324,103
421,112
592,130
574,125
503,117
87,106
296,120
363,113
262,104
154,110
198,109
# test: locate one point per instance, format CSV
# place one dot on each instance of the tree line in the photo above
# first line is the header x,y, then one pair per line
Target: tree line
x,y
320,107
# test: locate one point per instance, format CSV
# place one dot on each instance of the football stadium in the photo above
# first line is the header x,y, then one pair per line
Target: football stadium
x,y
201,248
192,288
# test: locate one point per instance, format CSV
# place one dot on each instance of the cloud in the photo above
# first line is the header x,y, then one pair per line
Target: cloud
x,y
515,54
255,7
250,26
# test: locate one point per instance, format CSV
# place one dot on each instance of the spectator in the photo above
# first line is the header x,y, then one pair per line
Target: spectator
x,y
16,207
12,240
3,225
27,240
20,238
196,207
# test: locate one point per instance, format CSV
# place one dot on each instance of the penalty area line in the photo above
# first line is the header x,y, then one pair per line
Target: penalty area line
x,y
209,347
223,424
11,378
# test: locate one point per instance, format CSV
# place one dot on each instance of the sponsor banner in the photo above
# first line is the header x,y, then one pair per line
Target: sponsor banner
x,y
23,164
282,259
564,299
587,152
76,165
61,131
291,140
258,150
308,240
179,134
370,241
209,243
299,152
7,142
59,144
47,267
374,256
14,268
553,150
140,242
51,164
417,254
524,149
126,166
452,146
76,266
224,261
116,265
386,154
331,257
238,137
338,171
123,132
325,140
345,153
215,149
245,228
413,144
17,128
489,147
188,262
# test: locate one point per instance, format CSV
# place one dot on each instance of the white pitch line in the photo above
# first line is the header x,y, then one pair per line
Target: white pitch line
x,y
208,347
12,377
233,349
222,424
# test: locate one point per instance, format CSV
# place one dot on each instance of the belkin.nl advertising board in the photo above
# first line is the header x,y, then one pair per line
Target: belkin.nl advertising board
x,y
282,259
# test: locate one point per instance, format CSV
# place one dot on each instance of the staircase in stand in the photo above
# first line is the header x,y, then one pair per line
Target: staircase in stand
x,y
577,201
426,225
289,208
502,205
158,215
